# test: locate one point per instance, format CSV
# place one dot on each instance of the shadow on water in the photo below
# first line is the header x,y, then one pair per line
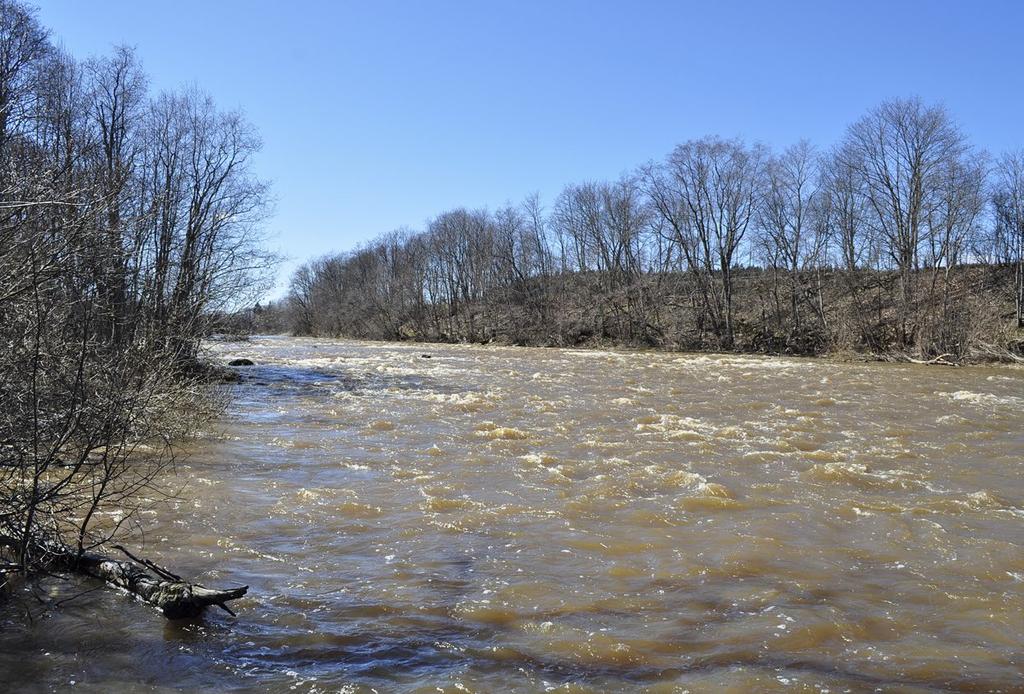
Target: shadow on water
x,y
195,630
381,645
364,651
437,646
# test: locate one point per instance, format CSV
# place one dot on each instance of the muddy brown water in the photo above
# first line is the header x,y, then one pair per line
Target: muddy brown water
x,y
507,519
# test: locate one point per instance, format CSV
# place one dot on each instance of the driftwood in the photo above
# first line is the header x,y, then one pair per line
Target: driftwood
x,y
174,596
940,360
165,590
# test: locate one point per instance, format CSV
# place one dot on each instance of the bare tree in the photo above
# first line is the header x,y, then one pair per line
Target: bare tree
x,y
116,91
792,236
1008,201
23,45
707,194
901,151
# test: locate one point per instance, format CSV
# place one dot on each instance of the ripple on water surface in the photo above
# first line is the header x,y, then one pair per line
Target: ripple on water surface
x,y
503,519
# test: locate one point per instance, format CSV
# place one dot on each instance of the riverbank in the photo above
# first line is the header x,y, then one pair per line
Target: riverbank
x,y
961,315
977,358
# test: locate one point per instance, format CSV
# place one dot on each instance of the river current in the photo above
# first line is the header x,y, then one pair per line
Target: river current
x,y
423,518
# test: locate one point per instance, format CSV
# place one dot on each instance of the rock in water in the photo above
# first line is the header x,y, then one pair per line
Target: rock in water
x,y
241,362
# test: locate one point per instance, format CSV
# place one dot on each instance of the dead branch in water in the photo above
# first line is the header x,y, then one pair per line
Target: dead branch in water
x,y
941,360
174,596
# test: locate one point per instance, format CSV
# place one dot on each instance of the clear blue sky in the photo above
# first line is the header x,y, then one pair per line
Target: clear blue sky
x,y
379,114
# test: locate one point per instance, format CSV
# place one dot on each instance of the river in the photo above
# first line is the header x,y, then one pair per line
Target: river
x,y
422,518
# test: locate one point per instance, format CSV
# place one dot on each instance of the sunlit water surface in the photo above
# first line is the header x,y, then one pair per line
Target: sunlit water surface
x,y
505,519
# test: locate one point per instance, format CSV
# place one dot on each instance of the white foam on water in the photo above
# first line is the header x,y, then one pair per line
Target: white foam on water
x,y
987,399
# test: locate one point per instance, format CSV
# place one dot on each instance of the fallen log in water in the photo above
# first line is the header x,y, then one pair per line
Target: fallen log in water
x,y
174,596
939,360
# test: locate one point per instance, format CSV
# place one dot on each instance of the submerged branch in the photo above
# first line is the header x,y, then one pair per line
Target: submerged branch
x,y
941,360
175,597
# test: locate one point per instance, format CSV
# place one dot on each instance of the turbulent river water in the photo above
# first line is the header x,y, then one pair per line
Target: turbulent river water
x,y
507,519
